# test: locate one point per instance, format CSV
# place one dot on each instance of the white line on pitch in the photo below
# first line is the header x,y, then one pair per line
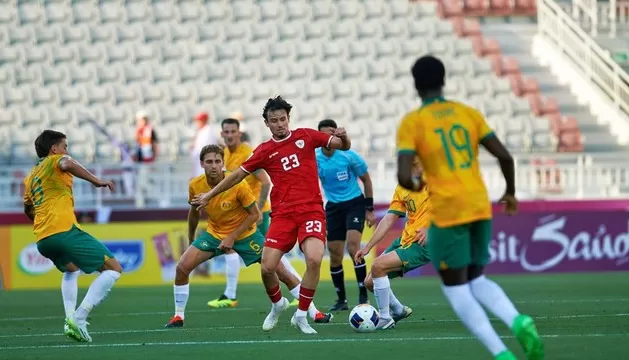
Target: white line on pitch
x,y
366,338
443,303
235,327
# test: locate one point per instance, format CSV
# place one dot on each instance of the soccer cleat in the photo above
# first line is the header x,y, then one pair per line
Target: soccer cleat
x,y
340,305
526,333
67,331
301,323
175,322
222,302
323,318
294,303
363,299
505,355
385,324
403,315
274,315
79,329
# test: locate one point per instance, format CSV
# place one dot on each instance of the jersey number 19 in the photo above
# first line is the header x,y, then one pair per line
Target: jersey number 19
x,y
456,140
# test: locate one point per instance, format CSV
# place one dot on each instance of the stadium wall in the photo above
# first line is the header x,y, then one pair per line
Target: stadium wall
x,y
547,236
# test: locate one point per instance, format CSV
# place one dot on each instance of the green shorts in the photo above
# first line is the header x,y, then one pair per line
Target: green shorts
x,y
249,248
77,247
266,221
412,256
459,246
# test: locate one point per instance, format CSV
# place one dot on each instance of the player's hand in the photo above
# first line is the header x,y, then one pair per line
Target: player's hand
x,y
105,183
511,204
360,255
340,132
201,200
420,236
370,218
226,245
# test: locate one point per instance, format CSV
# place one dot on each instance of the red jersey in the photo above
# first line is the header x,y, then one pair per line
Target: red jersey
x,y
292,167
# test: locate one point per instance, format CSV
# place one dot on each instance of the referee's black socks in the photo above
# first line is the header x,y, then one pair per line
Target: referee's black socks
x,y
338,279
361,274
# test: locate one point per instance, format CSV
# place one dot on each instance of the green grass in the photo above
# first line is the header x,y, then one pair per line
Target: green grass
x,y
581,316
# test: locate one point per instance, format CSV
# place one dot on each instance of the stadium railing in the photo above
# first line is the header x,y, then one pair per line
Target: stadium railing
x,y
578,46
166,185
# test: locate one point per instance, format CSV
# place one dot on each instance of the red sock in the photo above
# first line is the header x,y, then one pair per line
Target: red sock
x,y
275,294
305,298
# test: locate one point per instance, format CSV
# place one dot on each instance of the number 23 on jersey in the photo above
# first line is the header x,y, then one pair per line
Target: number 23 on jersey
x,y
290,162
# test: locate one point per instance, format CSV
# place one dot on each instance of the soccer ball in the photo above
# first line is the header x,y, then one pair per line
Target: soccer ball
x,y
363,318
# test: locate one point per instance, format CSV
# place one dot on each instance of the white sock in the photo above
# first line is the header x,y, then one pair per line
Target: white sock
x,y
232,269
69,291
312,310
394,303
491,295
290,268
300,313
181,292
96,293
473,316
381,289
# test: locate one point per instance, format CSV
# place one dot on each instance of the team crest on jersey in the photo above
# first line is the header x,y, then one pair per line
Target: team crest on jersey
x,y
300,144
225,205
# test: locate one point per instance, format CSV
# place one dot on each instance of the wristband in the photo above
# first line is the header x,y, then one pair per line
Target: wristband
x,y
369,204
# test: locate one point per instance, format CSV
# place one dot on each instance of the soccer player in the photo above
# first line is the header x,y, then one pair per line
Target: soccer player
x,y
231,225
446,136
406,253
49,202
346,211
298,216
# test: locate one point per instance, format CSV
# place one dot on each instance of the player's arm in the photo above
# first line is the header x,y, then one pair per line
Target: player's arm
x,y
72,166
266,187
406,146
193,217
340,140
359,167
248,201
201,200
384,226
507,165
29,209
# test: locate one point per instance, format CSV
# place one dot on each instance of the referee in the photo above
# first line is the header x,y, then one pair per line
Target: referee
x,y
346,211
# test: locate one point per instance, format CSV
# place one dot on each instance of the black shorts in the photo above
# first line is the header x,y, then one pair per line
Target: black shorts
x,y
344,216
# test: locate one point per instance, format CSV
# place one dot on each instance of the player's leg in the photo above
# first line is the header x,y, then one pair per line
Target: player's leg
x,y
491,295
202,249
90,255
52,248
451,255
335,219
232,271
294,285
280,239
355,223
292,270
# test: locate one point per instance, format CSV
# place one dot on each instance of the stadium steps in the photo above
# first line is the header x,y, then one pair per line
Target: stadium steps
x,y
596,136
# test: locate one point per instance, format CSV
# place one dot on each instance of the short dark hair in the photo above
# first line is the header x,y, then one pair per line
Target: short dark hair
x,y
212,149
327,123
276,103
230,121
46,140
428,73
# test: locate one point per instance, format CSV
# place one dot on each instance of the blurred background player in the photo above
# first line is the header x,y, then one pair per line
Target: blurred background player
x,y
49,202
346,211
206,134
231,226
405,253
145,139
446,136
298,216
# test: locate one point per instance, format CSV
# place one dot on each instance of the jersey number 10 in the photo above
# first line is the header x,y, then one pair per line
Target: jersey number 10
x,y
456,140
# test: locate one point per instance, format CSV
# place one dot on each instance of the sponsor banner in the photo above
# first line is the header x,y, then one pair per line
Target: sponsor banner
x,y
148,253
555,242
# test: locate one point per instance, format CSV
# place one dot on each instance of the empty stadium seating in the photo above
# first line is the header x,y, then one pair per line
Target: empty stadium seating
x,y
63,62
